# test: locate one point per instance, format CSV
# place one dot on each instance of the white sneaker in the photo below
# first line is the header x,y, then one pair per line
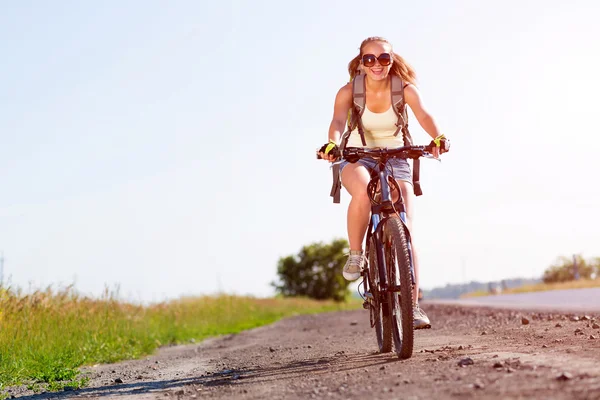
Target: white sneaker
x,y
421,320
354,265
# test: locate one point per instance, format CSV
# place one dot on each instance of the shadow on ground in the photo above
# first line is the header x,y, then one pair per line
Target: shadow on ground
x,y
239,377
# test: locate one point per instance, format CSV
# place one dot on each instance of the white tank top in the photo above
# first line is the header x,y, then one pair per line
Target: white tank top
x,y
379,129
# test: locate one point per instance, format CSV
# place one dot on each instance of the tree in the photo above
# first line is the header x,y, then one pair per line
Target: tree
x,y
316,272
564,270
595,263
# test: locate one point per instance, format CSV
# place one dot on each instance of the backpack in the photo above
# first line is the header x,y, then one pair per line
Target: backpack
x,y
357,109
359,101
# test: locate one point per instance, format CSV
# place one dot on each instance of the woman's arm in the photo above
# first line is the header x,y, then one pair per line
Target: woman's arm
x,y
343,101
413,99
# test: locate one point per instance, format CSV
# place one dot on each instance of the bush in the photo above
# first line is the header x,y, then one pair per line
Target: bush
x,y
563,269
315,272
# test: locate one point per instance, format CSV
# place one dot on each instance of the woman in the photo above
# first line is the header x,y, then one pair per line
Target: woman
x,y
377,62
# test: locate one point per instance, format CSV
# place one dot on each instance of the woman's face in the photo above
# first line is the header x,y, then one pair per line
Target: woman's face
x,y
374,54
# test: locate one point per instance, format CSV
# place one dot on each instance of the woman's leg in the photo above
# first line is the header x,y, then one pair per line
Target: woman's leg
x,y
355,178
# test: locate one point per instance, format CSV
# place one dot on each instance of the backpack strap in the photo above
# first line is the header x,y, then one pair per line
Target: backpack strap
x,y
399,106
359,101
336,187
416,177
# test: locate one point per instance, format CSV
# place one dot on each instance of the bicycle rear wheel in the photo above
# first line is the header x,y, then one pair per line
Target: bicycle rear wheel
x,y
380,314
399,275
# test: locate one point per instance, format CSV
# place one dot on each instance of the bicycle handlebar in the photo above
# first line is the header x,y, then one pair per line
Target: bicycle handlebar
x,y
413,152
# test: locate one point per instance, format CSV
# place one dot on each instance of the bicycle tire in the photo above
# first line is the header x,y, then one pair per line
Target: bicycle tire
x,y
401,304
379,306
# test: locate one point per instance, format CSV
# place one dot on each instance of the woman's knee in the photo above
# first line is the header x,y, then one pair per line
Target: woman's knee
x,y
361,197
355,179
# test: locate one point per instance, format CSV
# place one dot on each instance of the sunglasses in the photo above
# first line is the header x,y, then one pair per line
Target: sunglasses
x,y
384,59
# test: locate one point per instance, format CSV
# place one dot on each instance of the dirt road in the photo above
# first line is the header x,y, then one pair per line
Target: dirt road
x,y
332,356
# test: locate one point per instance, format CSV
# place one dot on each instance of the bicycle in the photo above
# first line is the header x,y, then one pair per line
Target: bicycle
x,y
389,278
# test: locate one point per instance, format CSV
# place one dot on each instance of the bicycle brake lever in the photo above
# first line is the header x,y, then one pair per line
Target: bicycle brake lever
x,y
430,156
336,163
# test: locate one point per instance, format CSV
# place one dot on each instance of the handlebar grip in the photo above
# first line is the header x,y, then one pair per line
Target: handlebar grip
x,y
335,151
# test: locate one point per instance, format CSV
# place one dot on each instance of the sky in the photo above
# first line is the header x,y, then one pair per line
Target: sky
x,y
167,149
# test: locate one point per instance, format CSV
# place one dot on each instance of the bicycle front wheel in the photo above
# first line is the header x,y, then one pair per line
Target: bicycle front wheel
x,y
399,278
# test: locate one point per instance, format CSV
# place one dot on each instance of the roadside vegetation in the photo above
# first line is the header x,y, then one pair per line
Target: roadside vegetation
x,y
565,273
47,335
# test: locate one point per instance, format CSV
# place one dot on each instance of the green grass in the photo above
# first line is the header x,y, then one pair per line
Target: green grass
x,y
46,336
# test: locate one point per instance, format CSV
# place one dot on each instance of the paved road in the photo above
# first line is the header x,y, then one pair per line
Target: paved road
x,y
566,300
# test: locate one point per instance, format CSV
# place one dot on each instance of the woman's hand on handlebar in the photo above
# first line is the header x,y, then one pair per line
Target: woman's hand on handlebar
x,y
324,156
439,145
329,151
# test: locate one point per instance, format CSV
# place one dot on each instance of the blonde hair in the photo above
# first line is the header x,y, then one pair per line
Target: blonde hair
x,y
399,67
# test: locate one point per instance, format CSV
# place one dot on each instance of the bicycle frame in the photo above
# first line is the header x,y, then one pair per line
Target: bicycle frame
x,y
380,211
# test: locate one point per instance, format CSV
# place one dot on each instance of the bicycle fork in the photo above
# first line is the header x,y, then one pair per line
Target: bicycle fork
x,y
379,246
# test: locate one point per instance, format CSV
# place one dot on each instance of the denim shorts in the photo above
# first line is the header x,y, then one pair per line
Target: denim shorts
x,y
398,168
